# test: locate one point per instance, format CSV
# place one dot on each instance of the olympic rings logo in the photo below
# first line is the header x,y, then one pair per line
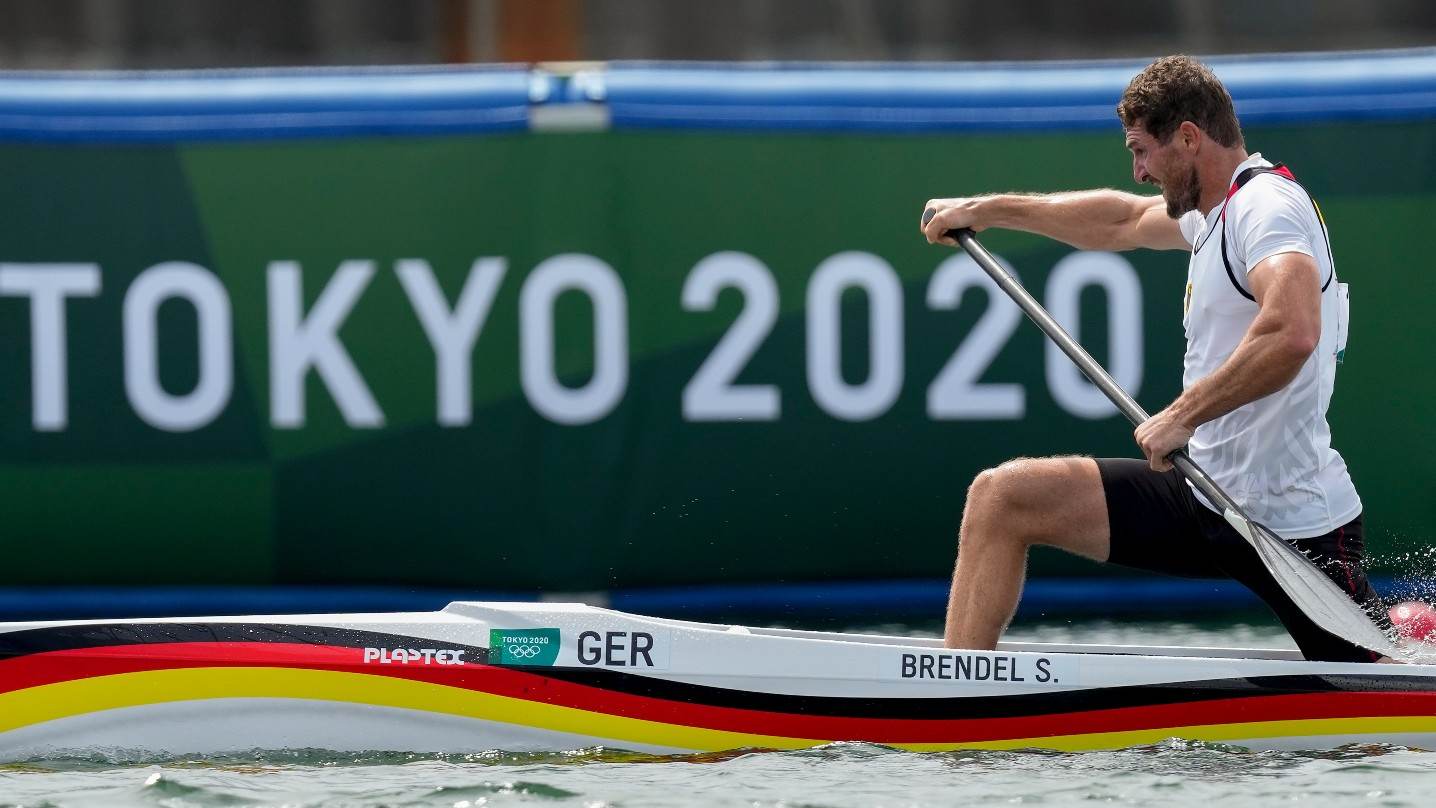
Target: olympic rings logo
x,y
524,651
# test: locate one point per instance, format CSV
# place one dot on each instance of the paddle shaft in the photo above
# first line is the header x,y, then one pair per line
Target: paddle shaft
x,y
1088,365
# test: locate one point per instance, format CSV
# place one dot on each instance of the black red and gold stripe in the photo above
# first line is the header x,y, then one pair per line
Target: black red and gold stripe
x,y
58,672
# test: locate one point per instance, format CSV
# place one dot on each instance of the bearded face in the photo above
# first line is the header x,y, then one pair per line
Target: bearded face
x,y
1182,191
1167,166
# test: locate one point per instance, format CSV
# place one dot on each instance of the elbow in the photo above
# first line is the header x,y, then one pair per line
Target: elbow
x,y
1286,357
1300,343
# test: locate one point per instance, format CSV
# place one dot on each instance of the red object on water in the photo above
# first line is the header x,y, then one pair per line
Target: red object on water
x,y
1414,620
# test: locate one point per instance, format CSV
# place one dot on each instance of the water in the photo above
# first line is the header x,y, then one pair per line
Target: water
x,y
1171,773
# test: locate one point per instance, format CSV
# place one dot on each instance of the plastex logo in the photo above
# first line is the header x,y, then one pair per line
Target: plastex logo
x,y
523,646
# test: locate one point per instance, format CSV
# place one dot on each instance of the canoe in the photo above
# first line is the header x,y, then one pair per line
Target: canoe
x,y
476,677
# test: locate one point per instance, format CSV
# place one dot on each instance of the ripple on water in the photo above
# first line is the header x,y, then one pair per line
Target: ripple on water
x,y
832,776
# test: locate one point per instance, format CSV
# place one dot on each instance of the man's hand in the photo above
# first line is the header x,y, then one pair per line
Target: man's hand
x,y
1100,219
1161,435
949,214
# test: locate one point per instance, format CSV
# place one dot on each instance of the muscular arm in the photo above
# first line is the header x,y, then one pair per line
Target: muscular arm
x,y
1287,288
1101,219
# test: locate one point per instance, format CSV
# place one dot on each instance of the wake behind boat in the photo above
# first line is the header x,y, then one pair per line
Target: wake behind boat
x,y
551,677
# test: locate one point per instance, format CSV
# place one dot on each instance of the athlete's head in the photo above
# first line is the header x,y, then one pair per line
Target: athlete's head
x,y
1167,111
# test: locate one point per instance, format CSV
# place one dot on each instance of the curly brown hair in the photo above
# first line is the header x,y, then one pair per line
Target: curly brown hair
x,y
1174,89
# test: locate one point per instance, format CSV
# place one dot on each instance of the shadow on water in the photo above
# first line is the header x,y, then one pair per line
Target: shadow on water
x,y
262,760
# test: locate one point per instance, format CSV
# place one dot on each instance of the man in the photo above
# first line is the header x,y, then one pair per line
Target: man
x,y
1264,320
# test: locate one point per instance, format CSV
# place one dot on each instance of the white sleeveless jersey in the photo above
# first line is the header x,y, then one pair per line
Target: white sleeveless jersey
x,y
1274,454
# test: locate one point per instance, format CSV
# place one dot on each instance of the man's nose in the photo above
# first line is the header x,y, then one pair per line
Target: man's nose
x,y
1139,171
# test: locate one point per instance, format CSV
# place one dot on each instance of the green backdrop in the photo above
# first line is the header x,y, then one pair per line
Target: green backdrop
x,y
638,494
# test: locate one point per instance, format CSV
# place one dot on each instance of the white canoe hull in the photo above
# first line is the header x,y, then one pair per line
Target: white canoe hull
x,y
554,677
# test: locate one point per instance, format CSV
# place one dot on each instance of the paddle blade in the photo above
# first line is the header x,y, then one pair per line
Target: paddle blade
x,y
1314,593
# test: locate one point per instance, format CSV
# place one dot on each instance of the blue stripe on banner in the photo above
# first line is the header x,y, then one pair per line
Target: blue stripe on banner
x,y
872,600
73,603
170,106
1371,86
266,104
928,598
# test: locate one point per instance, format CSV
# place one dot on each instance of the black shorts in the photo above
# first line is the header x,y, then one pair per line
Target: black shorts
x,y
1157,524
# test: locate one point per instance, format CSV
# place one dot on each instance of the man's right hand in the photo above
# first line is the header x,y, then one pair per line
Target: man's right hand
x,y
1100,219
949,214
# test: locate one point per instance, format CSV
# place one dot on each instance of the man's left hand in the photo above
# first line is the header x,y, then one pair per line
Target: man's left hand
x,y
1161,435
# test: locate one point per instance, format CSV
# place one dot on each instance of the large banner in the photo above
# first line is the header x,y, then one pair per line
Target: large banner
x,y
599,359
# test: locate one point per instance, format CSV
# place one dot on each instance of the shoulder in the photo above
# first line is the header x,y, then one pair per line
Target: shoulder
x,y
1269,215
1268,194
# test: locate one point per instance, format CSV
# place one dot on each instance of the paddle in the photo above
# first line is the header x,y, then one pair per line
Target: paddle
x,y
1315,594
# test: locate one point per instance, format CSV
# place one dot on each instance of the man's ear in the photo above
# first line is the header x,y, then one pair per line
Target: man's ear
x,y
1190,133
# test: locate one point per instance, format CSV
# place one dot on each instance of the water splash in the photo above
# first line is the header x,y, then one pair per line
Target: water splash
x,y
1414,580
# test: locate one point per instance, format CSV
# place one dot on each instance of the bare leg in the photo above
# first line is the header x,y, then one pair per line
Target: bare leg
x,y
1056,501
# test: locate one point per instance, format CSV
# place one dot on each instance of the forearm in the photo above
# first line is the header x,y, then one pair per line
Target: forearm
x,y
1101,219
1278,343
1267,360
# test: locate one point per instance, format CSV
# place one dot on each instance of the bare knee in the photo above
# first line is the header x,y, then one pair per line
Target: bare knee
x,y
999,500
1017,485
1035,501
